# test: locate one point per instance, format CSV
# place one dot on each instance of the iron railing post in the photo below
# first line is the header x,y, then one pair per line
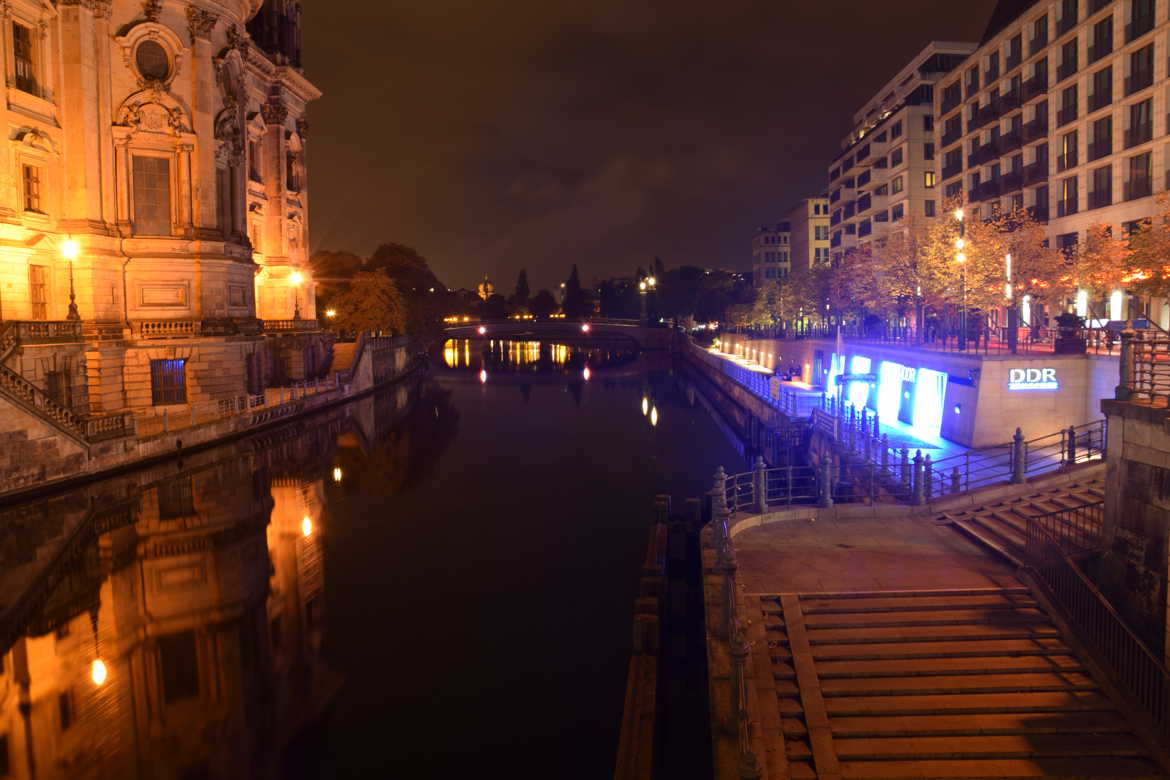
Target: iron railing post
x,y
1126,366
1019,465
759,486
917,495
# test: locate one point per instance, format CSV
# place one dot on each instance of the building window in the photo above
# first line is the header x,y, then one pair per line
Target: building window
x,y
928,123
928,151
928,208
32,188
152,196
928,179
1102,89
1039,34
1102,192
895,129
59,386
821,232
175,498
1068,197
1141,19
255,162
1067,158
168,382
65,709
1068,105
1141,177
1141,123
179,664
1102,143
1066,243
1141,69
896,185
897,212
896,157
1068,60
152,61
38,291
953,190
1102,39
22,55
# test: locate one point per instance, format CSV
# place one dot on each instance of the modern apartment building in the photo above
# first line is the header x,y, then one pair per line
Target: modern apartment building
x,y
771,253
809,238
886,172
1063,109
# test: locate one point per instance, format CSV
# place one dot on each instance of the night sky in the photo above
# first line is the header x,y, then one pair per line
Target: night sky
x,y
529,133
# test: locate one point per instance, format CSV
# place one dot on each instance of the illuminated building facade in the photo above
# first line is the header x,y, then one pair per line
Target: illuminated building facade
x,y
771,253
885,174
153,206
809,234
1063,109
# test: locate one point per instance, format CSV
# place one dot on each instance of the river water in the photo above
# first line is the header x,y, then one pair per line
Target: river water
x,y
434,580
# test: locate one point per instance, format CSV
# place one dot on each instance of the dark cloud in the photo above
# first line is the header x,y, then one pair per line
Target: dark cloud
x,y
537,134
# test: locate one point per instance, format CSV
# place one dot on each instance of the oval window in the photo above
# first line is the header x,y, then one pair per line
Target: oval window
x,y
152,61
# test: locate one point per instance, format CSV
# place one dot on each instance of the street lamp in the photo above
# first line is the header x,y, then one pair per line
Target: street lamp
x,y
295,279
961,259
70,250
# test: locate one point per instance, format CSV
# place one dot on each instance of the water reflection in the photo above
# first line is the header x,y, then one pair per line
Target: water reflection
x,y
490,357
169,623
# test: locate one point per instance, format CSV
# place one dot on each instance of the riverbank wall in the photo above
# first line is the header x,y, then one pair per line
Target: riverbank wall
x,y
36,457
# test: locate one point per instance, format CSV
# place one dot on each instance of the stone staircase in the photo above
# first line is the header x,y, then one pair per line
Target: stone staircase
x,y
965,683
1002,525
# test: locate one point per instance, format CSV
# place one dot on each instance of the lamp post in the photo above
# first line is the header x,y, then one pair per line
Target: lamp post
x,y
295,279
1008,293
961,259
70,250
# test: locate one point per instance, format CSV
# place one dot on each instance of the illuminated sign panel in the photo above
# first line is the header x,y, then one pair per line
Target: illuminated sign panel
x,y
1032,379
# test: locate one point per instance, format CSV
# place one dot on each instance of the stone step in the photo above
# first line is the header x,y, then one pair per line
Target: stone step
x,y
798,750
801,770
928,633
999,723
815,606
971,648
1061,768
793,727
973,703
993,541
979,664
995,682
985,747
1015,590
937,617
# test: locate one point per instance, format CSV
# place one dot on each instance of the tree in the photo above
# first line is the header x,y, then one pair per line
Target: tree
x,y
543,304
372,303
1149,263
494,308
1099,265
521,295
418,285
577,302
332,272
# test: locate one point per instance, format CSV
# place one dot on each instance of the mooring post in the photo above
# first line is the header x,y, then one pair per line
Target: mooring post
x,y
760,485
1019,457
955,480
885,445
905,480
1072,444
928,477
916,495
826,483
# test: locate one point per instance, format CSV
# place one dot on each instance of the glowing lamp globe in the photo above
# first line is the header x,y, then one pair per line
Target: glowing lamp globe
x,y
70,249
98,671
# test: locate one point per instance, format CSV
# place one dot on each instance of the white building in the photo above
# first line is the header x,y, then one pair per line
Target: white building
x,y
771,253
886,171
1063,109
808,223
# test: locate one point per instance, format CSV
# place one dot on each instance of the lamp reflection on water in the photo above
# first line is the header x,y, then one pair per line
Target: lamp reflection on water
x,y
98,671
306,526
337,473
645,406
653,416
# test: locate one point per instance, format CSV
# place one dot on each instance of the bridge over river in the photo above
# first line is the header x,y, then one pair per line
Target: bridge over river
x,y
565,330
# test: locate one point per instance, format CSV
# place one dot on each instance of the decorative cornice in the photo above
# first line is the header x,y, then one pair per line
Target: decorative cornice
x,y
235,38
100,8
152,10
200,22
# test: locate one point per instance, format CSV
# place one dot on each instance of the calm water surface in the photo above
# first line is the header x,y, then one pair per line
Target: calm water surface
x,y
432,581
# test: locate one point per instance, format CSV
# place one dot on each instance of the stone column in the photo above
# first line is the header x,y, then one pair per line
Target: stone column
x,y
200,25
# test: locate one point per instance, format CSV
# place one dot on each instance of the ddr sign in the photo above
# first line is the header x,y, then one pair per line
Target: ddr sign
x,y
1032,379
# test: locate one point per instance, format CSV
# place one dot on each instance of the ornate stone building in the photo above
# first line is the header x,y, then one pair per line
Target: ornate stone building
x,y
153,207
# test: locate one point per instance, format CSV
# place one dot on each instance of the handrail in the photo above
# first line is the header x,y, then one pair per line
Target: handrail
x,y
1138,670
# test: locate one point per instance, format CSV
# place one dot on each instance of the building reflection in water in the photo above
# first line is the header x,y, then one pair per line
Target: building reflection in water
x,y
506,356
199,587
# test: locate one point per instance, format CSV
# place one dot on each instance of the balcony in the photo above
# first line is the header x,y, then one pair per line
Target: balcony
x,y
1099,50
1065,24
1013,60
1038,43
1066,115
1010,142
1066,207
1139,27
1100,199
990,75
835,196
973,194
988,190
1038,212
1035,173
952,135
1139,134
1065,70
950,102
1037,85
1138,81
835,219
952,170
1099,100
864,178
1139,187
864,229
1066,161
1010,182
863,203
850,210
836,241
1008,102
1035,130
1100,148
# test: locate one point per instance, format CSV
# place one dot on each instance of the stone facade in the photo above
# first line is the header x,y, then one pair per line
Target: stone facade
x,y
153,196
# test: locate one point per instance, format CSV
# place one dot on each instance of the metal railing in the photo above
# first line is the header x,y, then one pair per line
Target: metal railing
x,y
168,420
1145,367
1135,668
1075,530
